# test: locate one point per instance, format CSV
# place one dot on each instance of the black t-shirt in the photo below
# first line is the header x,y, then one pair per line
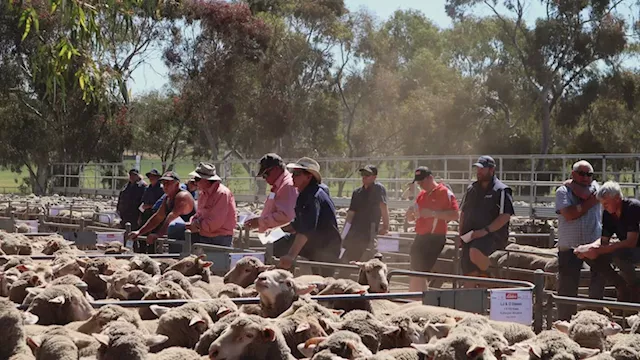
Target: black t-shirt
x,y
366,205
482,206
628,222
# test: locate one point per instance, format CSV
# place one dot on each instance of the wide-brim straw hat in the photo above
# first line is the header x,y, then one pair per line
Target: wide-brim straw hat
x,y
206,171
307,164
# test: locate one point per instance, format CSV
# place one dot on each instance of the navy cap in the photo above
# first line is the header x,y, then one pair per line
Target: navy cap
x,y
153,172
268,161
170,176
134,171
421,173
485,161
369,169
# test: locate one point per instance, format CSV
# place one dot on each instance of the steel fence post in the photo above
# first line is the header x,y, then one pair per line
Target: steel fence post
x,y
538,281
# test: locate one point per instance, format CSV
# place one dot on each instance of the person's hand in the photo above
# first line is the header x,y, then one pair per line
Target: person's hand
x,y
151,238
384,230
427,213
286,262
478,234
252,223
133,235
592,254
411,214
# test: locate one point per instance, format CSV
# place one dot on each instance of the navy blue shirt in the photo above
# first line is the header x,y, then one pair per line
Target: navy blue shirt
x,y
316,219
629,220
482,206
152,194
366,205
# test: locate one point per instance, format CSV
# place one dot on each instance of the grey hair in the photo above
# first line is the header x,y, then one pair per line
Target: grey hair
x,y
610,189
582,163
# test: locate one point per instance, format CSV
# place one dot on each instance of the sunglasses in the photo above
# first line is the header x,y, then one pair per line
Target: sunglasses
x,y
266,173
298,172
583,173
197,179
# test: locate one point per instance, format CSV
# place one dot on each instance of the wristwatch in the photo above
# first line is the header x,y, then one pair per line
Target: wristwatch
x,y
486,228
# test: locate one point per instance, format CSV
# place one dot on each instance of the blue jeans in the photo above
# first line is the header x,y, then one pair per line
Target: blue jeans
x,y
223,240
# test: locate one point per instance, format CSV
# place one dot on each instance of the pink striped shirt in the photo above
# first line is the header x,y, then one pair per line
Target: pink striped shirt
x,y
279,208
216,212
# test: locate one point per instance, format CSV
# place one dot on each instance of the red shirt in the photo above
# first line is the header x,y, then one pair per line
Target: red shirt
x,y
438,199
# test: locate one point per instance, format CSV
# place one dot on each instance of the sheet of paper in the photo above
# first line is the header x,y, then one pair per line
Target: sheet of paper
x,y
244,216
272,236
388,245
341,252
467,237
141,208
272,196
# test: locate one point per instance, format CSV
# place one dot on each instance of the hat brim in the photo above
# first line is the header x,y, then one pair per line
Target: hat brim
x,y
167,178
479,165
366,171
301,167
149,174
195,174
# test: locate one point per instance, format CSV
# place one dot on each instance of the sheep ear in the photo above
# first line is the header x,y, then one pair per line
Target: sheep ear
x,y
223,311
584,353
156,339
160,310
29,318
305,290
206,264
60,300
562,326
269,334
194,278
34,291
438,331
102,338
89,297
307,348
101,246
137,262
196,320
303,327
508,350
328,325
82,262
427,349
475,351
362,290
105,278
338,312
128,287
23,267
156,278
535,351
35,341
144,288
612,329
631,320
263,268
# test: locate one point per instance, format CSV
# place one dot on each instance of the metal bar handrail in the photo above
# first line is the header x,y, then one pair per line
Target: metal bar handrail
x,y
256,300
92,256
521,285
593,302
220,248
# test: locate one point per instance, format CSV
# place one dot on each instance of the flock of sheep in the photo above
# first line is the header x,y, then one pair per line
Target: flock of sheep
x,y
58,321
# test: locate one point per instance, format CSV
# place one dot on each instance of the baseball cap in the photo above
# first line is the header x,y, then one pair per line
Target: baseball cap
x,y
170,176
421,173
153,172
134,171
485,161
268,161
371,169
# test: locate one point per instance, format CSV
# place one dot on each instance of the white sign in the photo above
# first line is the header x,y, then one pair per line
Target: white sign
x,y
388,245
106,237
32,224
272,236
234,257
512,306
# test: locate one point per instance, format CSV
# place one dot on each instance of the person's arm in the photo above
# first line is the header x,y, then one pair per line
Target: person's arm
x,y
506,210
632,233
305,225
573,212
284,209
154,220
215,218
630,242
181,207
384,209
447,215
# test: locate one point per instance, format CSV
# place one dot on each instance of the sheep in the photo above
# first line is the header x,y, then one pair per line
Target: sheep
x,y
12,331
408,333
634,323
628,347
185,283
457,346
60,304
246,271
113,247
277,291
370,329
164,290
202,347
58,342
423,314
589,329
7,278
233,291
165,263
545,261
14,261
176,353
342,343
57,244
401,353
42,269
125,285
146,264
298,329
310,308
551,344
346,286
105,315
250,337
122,340
66,264
193,265
14,244
182,325
373,273
96,286
513,332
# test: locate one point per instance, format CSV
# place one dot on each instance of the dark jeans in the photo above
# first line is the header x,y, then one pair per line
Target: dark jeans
x,y
322,254
223,240
625,259
356,244
569,266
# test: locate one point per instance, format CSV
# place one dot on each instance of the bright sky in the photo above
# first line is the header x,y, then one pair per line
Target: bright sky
x,y
153,74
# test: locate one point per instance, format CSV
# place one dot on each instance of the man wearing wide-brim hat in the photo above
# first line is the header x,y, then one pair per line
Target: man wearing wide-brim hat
x,y
313,233
215,217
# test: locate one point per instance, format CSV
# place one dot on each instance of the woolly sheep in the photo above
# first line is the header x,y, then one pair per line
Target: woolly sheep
x,y
182,325
373,273
122,340
402,353
56,343
457,346
131,285
370,329
60,304
185,283
552,343
589,329
202,347
628,347
298,329
193,265
250,337
342,343
232,291
278,290
146,264
246,271
164,290
12,331
107,314
310,308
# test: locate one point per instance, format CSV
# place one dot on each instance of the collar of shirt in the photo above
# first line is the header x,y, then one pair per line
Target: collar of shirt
x,y
278,184
309,191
